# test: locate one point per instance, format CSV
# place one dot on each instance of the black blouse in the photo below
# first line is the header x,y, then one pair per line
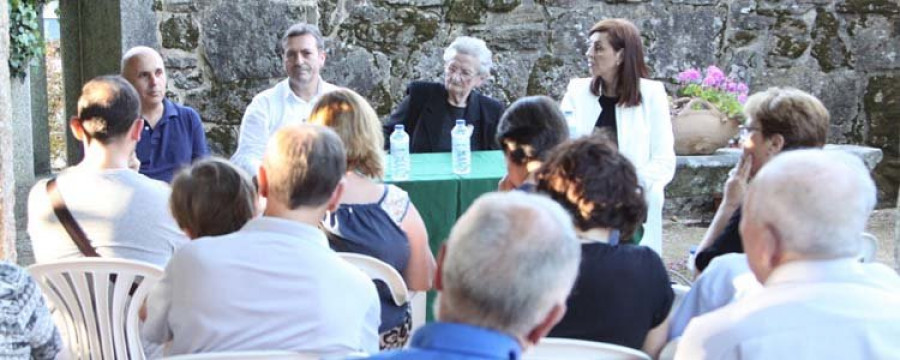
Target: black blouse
x,y
621,293
606,122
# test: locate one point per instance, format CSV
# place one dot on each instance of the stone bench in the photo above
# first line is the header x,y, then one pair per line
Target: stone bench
x,y
697,186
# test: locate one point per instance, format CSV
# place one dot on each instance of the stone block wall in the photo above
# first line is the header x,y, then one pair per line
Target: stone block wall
x,y
219,53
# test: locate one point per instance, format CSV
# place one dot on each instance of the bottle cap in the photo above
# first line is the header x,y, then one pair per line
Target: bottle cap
x,y
399,127
461,122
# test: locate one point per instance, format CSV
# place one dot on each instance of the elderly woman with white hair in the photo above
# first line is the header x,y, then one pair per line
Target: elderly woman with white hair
x,y
430,109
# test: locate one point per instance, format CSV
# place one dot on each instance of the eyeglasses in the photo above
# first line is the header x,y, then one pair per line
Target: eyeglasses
x,y
462,73
744,131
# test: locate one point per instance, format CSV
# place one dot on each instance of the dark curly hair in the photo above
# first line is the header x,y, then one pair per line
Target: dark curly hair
x,y
530,127
596,184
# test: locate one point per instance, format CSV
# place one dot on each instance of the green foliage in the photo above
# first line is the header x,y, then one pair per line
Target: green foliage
x,y
726,102
25,42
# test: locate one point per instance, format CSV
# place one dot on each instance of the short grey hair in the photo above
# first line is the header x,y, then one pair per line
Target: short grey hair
x,y
473,47
508,260
300,29
817,200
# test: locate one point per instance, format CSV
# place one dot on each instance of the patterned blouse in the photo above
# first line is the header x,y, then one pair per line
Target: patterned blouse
x,y
26,329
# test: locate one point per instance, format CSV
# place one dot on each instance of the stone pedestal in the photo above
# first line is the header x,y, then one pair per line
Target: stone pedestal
x,y
699,179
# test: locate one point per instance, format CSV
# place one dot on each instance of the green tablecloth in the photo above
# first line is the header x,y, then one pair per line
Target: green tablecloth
x,y
442,196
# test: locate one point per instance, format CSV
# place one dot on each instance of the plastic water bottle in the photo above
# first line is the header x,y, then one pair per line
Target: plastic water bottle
x,y
570,122
399,153
462,150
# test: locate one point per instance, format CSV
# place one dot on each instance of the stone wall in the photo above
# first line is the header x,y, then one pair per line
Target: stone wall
x,y
220,53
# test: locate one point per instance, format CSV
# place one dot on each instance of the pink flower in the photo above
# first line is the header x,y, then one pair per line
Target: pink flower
x,y
689,76
742,88
714,77
742,98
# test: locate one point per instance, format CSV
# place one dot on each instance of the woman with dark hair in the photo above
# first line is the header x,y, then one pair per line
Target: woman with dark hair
x,y
527,131
633,111
623,290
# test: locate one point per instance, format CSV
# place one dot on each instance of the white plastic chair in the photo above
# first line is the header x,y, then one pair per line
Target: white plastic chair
x,y
246,355
868,247
571,349
98,300
379,270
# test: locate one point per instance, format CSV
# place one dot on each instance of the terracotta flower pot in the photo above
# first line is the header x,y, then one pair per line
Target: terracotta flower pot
x,y
700,128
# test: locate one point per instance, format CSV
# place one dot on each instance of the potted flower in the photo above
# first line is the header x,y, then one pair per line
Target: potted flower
x,y
708,111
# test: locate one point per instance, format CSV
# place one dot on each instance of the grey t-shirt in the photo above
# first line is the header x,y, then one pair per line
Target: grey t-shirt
x,y
123,213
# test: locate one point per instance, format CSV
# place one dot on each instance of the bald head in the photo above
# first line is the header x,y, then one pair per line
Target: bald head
x,y
509,259
806,204
144,69
303,165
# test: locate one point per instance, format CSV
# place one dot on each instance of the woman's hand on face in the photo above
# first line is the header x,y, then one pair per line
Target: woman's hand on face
x,y
738,178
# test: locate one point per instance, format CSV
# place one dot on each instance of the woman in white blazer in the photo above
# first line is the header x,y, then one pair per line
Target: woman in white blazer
x,y
637,113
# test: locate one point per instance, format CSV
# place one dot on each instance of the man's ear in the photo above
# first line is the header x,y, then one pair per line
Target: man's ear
x,y
438,281
336,195
77,128
776,143
134,132
262,182
543,328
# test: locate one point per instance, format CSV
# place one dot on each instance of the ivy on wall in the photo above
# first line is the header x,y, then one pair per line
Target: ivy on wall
x,y
25,42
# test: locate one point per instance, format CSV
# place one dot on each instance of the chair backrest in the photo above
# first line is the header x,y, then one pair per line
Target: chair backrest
x,y
571,349
246,355
98,300
379,270
868,247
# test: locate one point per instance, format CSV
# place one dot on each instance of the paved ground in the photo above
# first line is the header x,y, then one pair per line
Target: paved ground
x,y
680,235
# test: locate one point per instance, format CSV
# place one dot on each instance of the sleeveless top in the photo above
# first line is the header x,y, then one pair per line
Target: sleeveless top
x,y
373,229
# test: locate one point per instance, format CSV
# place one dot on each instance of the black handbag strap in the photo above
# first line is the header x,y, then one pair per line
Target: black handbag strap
x,y
68,222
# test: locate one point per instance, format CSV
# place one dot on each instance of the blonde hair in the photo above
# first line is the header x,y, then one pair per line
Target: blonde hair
x,y
357,124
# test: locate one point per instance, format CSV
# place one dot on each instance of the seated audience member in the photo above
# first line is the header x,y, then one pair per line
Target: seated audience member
x,y
211,198
623,290
801,226
121,213
430,110
26,328
727,279
528,130
274,284
779,119
172,135
374,219
503,278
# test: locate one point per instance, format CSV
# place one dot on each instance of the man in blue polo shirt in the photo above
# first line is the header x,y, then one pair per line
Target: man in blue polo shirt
x,y
173,134
503,276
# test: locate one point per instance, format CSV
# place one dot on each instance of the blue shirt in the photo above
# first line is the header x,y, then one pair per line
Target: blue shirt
x,y
177,139
454,341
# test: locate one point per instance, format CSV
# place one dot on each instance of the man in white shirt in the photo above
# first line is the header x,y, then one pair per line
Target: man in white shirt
x,y
802,218
123,214
288,102
275,284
